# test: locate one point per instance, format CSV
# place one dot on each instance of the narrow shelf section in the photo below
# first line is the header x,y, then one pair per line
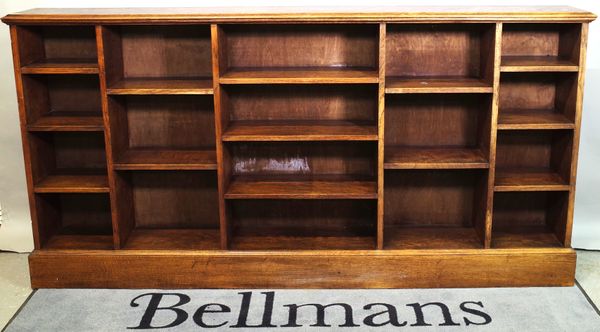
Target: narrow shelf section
x,y
79,242
434,158
431,238
282,242
138,159
73,184
62,66
532,119
436,85
537,64
323,187
300,76
162,86
67,121
524,237
529,179
300,131
174,239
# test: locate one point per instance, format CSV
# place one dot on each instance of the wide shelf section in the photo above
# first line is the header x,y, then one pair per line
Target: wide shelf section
x,y
82,183
516,119
301,187
427,84
306,75
431,237
529,179
162,86
524,237
68,121
282,242
173,239
61,66
293,130
434,158
160,159
79,242
517,63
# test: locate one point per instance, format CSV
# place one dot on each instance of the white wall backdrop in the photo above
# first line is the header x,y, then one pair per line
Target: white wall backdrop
x,y
15,231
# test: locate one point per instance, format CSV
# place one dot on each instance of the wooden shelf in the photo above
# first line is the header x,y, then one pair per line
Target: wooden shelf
x,y
162,86
73,184
138,159
529,179
62,66
524,237
68,121
300,131
431,238
282,242
532,119
325,187
174,239
299,76
436,85
434,158
537,64
80,242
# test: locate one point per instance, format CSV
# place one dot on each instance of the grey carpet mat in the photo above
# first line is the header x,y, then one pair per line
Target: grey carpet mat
x,y
491,309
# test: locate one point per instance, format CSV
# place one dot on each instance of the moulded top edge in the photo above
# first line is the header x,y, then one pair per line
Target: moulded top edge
x,y
298,14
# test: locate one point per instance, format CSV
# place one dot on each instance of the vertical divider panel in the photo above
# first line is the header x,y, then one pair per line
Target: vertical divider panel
x,y
219,62
493,135
108,46
381,137
564,232
40,235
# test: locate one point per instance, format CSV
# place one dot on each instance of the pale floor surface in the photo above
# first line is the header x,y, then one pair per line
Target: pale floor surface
x,y
14,280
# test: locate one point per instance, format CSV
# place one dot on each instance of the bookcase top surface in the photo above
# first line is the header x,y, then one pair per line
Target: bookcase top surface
x,y
298,14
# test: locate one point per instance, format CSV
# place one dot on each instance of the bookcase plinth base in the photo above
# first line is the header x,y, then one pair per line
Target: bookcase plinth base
x,y
303,269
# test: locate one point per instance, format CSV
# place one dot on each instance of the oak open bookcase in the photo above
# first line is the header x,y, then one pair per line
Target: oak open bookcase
x,y
290,147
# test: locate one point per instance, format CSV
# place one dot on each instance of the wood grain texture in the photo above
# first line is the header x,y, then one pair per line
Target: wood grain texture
x,y
396,84
159,159
67,121
433,158
301,243
529,180
300,131
533,119
299,76
73,184
525,237
173,239
431,238
280,269
250,188
161,86
516,63
61,66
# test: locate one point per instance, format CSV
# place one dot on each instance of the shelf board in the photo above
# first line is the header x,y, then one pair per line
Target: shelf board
x,y
529,179
434,158
145,159
82,183
162,86
537,64
431,237
79,242
524,237
511,119
299,76
68,121
436,85
299,187
282,242
62,66
174,239
300,131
